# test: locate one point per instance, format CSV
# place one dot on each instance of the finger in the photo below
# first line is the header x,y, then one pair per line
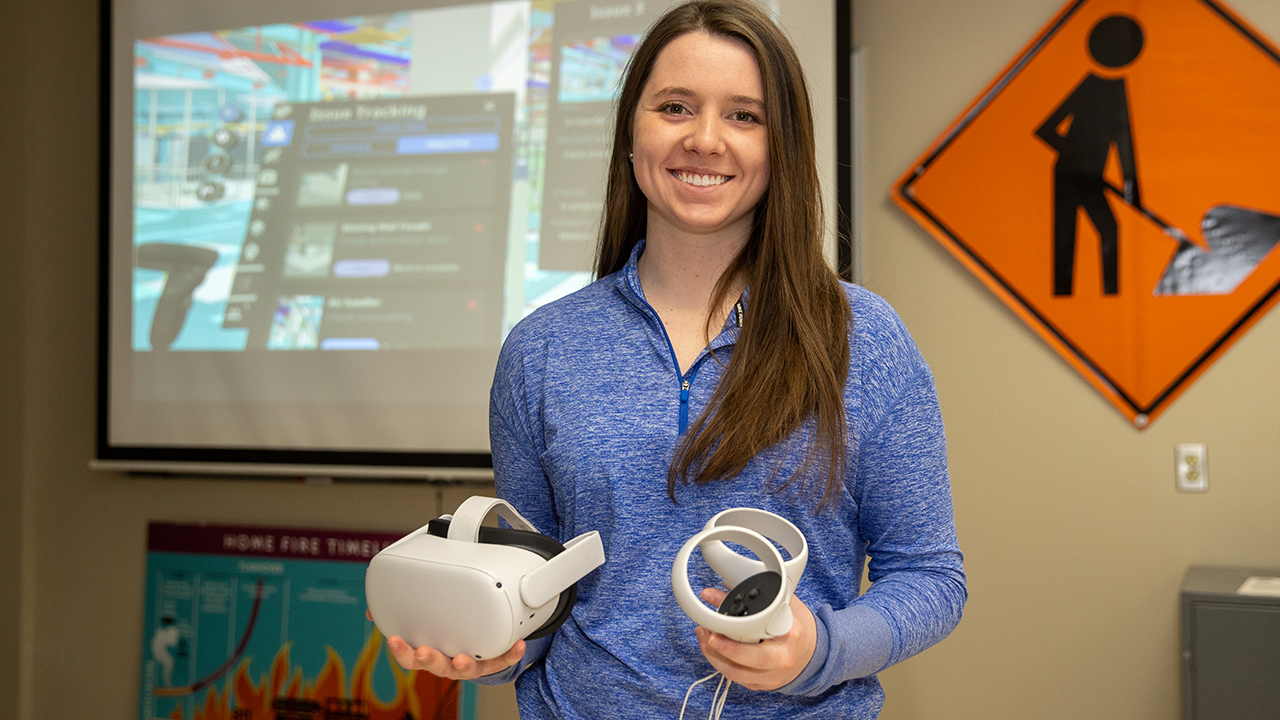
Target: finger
x,y
502,662
752,678
401,651
749,676
423,658
746,657
465,667
512,656
714,596
432,661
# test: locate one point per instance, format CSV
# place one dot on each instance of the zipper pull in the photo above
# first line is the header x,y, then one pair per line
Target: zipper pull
x,y
684,406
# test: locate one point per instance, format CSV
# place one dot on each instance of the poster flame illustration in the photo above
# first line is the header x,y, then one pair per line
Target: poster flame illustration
x,y
284,693
1115,187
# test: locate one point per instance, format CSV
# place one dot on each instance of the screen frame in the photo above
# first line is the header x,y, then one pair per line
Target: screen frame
x,y
367,464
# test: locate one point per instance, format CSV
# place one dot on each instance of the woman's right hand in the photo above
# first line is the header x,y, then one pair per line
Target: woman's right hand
x,y
459,667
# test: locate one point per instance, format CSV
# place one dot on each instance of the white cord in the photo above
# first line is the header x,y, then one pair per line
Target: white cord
x,y
695,684
717,700
718,707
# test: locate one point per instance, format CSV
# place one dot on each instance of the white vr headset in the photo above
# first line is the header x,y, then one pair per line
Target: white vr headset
x,y
461,588
759,604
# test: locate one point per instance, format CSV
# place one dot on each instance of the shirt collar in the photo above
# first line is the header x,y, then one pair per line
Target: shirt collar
x,y
629,284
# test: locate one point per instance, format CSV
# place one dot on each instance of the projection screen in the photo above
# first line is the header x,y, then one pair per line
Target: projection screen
x,y
322,217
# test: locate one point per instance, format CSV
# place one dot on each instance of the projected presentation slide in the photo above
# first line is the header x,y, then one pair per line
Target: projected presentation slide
x,y
326,216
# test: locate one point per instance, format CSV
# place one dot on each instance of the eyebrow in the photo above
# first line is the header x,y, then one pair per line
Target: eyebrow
x,y
687,93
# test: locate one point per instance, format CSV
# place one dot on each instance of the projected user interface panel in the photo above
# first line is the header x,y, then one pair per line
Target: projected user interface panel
x,y
378,225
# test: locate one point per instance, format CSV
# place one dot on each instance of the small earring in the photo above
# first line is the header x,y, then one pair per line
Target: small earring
x,y
631,156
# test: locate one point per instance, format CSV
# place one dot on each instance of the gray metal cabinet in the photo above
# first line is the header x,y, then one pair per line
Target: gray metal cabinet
x,y
1230,646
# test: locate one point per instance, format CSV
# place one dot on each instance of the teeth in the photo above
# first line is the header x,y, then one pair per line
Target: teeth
x,y
702,180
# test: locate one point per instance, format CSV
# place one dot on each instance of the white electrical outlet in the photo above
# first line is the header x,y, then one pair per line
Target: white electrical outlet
x,y
1192,467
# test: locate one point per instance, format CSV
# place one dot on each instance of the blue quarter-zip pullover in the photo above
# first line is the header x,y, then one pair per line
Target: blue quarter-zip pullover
x,y
587,407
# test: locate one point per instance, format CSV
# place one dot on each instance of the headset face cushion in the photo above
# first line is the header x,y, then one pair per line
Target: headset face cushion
x,y
544,546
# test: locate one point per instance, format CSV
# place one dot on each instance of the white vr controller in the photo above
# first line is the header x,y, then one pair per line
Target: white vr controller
x,y
759,603
461,588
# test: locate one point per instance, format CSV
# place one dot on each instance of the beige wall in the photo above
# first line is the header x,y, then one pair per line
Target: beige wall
x,y
1075,537
12,125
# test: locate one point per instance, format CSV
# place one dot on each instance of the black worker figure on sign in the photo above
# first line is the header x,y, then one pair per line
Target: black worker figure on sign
x,y
1082,130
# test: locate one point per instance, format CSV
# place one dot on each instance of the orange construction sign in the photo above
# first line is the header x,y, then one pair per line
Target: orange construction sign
x,y
1118,187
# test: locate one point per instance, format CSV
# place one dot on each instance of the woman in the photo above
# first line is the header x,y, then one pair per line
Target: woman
x,y
718,362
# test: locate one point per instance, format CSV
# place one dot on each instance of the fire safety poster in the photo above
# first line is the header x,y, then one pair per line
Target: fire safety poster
x,y
1116,186
253,623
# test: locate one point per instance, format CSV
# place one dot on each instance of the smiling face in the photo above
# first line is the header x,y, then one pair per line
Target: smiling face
x,y
700,145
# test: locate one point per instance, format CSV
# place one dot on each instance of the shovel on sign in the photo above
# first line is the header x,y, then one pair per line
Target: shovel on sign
x,y
1239,238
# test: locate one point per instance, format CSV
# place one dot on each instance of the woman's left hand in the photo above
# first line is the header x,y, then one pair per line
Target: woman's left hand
x,y
766,665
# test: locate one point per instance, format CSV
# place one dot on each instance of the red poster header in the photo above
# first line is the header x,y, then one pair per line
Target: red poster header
x,y
269,542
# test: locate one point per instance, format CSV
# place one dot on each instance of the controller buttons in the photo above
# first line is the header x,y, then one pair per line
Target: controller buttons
x,y
752,595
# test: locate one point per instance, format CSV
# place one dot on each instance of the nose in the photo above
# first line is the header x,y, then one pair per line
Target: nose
x,y
706,136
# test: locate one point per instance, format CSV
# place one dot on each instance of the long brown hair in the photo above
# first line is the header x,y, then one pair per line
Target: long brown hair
x,y
792,355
